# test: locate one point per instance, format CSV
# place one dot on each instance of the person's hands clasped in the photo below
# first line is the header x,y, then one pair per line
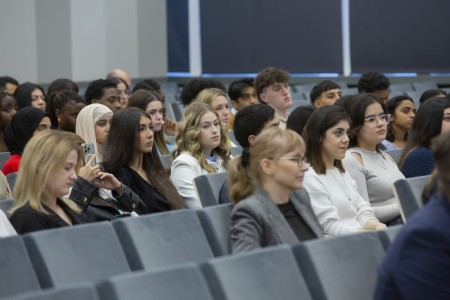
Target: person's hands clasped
x,y
90,172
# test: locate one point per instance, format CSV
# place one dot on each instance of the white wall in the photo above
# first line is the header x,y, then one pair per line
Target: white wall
x,y
82,39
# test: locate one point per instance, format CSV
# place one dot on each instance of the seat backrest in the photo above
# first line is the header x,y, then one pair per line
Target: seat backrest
x,y
409,194
17,274
399,88
235,151
208,187
269,273
73,292
11,177
424,85
181,282
395,154
388,235
5,205
82,253
162,239
215,222
165,160
341,268
4,156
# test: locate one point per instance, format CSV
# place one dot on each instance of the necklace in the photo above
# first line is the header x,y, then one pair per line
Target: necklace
x,y
341,183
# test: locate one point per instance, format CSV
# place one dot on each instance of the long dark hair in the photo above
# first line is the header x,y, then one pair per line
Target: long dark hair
x,y
119,152
355,107
141,98
391,106
427,125
322,119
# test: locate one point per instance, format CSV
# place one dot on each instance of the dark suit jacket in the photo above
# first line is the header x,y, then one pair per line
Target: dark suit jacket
x,y
257,222
417,265
27,219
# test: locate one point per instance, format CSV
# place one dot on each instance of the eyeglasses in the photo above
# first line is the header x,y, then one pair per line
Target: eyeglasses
x,y
299,160
372,121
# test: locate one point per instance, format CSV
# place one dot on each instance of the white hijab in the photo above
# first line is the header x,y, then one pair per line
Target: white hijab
x,y
86,120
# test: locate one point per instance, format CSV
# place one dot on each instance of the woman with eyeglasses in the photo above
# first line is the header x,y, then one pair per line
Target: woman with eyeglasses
x,y
334,195
270,205
373,170
432,119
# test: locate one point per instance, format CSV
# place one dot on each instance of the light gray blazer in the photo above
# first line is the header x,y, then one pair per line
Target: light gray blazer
x,y
257,222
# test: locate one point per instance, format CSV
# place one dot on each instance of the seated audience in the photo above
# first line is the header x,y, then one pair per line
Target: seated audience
x,y
122,74
298,117
417,264
201,148
30,94
249,122
374,83
123,89
402,111
272,88
8,104
98,192
195,86
432,119
62,84
373,170
103,91
129,155
26,123
242,93
271,208
325,93
63,108
8,84
148,102
432,93
334,195
38,200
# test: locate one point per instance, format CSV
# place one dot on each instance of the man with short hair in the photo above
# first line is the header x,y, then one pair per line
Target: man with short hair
x,y
375,83
249,122
272,88
325,93
103,91
242,93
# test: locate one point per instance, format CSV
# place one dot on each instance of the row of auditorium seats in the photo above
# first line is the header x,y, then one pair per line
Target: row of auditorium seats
x,y
167,256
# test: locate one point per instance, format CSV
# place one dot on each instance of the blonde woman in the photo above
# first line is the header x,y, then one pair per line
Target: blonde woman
x,y
47,171
201,148
218,100
271,207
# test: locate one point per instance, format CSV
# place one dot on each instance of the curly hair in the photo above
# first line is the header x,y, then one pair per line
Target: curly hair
x,y
187,138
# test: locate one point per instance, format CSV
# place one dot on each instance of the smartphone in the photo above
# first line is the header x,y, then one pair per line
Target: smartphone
x,y
88,151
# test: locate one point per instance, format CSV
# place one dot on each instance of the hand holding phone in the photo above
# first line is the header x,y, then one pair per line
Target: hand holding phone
x,y
88,152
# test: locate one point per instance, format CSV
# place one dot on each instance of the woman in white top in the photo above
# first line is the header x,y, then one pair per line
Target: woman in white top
x,y
201,148
334,196
373,170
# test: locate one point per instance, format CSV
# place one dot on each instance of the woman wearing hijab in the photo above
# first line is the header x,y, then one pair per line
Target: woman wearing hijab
x,y
26,123
97,191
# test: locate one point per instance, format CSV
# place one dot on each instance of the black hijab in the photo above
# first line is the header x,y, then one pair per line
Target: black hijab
x,y
21,128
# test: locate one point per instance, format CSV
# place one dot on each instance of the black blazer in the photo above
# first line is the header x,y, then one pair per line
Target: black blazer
x,y
27,219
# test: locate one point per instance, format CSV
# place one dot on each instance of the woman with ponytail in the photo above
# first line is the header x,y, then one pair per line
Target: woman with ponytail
x,y
271,207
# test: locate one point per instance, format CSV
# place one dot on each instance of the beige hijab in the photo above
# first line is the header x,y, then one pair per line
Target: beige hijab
x,y
86,120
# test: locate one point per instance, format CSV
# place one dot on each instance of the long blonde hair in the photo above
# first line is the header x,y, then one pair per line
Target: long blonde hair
x,y
208,95
43,154
187,138
244,173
